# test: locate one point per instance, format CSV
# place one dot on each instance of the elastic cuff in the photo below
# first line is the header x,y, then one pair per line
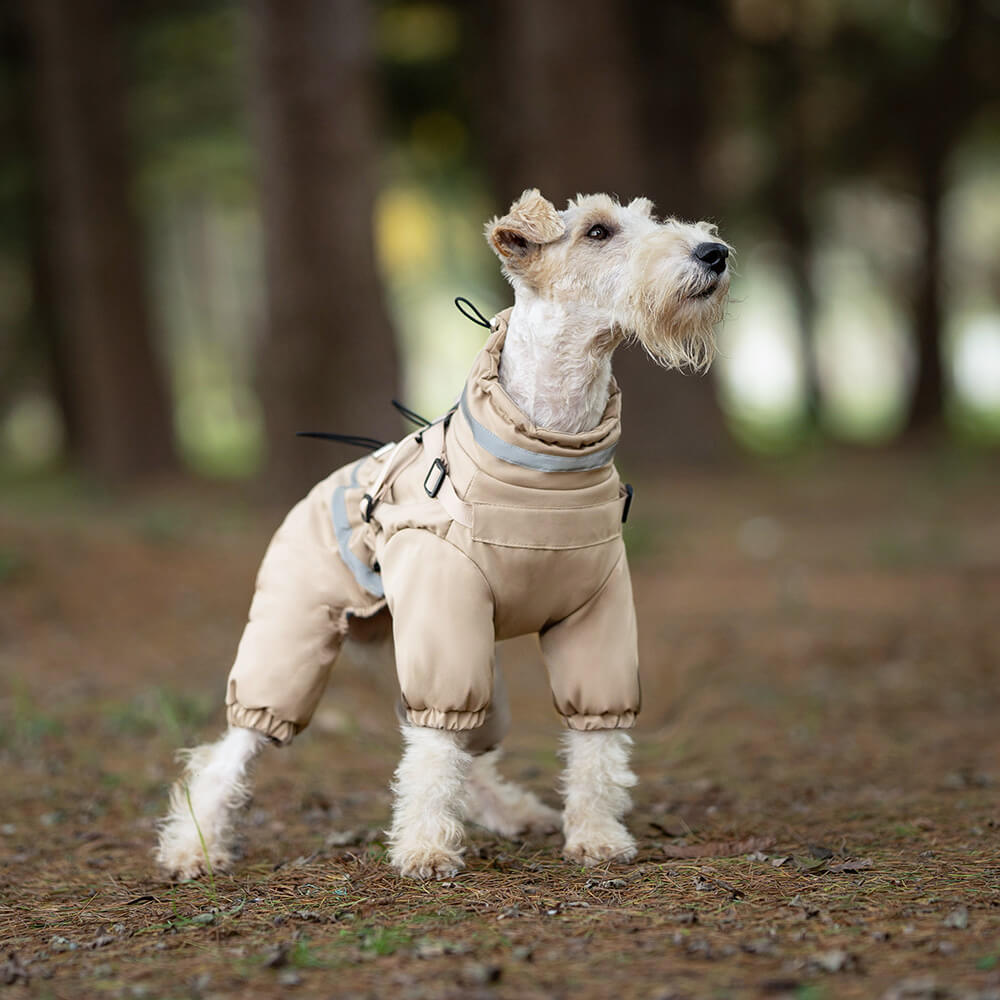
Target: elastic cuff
x,y
609,720
432,718
261,720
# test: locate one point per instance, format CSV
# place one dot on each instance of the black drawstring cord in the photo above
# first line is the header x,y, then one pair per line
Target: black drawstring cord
x,y
470,312
358,440
476,316
410,415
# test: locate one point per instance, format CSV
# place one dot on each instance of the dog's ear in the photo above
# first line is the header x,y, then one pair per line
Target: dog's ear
x,y
643,205
531,222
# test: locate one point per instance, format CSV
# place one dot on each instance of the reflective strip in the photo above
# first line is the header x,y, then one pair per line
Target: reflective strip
x,y
516,455
363,573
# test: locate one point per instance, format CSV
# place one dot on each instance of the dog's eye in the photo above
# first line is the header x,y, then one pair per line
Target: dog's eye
x,y
598,232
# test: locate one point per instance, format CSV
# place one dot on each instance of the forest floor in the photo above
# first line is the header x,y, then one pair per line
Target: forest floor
x,y
819,758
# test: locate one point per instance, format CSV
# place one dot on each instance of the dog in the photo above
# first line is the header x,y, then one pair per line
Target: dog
x,y
501,518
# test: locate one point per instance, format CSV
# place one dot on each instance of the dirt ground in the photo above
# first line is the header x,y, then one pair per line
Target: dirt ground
x,y
818,804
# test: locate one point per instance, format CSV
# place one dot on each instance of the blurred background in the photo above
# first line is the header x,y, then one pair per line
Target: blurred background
x,y
224,222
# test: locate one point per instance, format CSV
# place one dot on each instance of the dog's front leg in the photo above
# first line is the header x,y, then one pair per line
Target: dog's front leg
x,y
427,831
595,787
197,836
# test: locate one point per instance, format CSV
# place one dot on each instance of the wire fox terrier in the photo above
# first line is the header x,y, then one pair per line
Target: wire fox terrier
x,y
501,518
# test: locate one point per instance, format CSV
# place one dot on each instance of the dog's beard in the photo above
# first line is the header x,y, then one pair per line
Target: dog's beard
x,y
675,323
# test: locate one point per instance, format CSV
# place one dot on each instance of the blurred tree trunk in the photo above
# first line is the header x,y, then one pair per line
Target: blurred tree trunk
x,y
558,102
926,412
564,104
937,111
328,361
108,377
787,196
678,49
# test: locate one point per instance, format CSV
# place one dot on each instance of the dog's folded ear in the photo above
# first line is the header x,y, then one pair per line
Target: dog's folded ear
x,y
531,222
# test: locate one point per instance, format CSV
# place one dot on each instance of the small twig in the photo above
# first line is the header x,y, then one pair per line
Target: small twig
x,y
79,913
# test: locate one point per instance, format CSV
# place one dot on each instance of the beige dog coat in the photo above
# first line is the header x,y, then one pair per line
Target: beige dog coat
x,y
480,527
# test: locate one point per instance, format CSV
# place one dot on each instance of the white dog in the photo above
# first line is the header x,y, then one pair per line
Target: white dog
x,y
501,518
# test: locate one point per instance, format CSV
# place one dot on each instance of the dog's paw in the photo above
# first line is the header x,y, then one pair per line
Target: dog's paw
x,y
614,844
503,807
540,819
525,817
427,863
187,872
184,864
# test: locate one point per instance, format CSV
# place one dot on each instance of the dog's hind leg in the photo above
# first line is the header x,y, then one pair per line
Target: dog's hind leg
x,y
491,802
197,835
427,832
595,786
503,807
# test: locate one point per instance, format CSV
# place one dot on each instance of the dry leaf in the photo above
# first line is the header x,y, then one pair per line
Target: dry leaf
x,y
718,848
850,866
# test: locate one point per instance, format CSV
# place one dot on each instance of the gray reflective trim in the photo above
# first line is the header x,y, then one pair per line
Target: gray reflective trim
x,y
364,574
516,455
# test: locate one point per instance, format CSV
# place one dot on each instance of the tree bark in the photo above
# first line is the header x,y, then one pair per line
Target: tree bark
x,y
787,193
926,410
113,391
563,105
939,107
328,360
556,99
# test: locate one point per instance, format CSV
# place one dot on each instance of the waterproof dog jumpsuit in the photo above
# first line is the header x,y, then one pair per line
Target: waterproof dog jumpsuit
x,y
480,527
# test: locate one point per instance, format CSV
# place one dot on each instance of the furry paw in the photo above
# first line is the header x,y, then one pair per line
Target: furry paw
x,y
613,844
427,863
521,814
534,817
501,806
183,862
540,819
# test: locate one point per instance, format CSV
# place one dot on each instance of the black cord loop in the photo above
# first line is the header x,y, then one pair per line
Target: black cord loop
x,y
475,315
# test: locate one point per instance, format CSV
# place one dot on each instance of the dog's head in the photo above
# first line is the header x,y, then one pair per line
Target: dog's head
x,y
661,283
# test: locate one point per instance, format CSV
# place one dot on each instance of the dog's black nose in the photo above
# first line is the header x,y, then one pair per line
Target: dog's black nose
x,y
712,255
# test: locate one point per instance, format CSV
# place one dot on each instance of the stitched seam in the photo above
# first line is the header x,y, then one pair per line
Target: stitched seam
x,y
479,569
546,548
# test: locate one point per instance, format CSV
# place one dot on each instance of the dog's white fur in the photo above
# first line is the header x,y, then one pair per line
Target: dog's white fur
x,y
199,831
577,298
595,787
502,807
426,834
